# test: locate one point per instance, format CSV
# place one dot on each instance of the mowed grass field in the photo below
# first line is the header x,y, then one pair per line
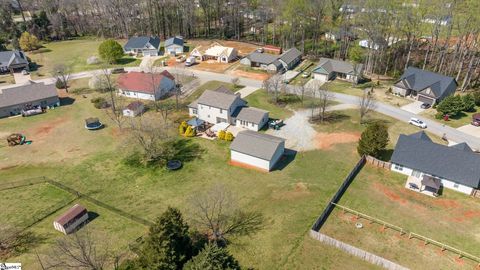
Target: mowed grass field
x,y
290,199
73,54
451,219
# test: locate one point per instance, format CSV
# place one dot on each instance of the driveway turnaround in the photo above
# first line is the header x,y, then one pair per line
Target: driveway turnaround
x,y
413,107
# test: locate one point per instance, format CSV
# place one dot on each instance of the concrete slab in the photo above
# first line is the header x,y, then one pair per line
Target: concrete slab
x,y
21,79
290,74
413,107
247,90
470,130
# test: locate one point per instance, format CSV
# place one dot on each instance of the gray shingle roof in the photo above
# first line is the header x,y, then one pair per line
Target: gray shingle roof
x,y
290,55
217,99
419,79
173,40
250,114
141,42
8,58
458,165
332,65
256,144
26,93
262,58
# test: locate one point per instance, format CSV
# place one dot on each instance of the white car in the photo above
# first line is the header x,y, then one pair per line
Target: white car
x,y
417,122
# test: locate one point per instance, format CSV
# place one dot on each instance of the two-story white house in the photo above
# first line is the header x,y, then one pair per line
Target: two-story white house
x,y
223,106
148,86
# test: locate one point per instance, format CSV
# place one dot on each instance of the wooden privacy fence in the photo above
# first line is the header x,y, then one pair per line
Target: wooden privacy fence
x,y
378,163
360,253
411,235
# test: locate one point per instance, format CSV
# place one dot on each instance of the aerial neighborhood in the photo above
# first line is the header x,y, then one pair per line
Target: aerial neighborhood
x,y
239,135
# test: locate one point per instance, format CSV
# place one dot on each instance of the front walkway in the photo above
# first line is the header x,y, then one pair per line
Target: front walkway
x,y
247,90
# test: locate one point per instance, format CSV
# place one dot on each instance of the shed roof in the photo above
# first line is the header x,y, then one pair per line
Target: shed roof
x,y
256,144
419,79
71,214
458,165
142,82
26,93
141,42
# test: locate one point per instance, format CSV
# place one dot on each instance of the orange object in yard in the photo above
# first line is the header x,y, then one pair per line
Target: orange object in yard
x,y
446,117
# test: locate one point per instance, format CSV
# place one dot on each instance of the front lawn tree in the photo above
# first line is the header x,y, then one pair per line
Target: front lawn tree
x,y
116,103
110,51
366,103
62,73
373,140
28,42
468,103
451,105
213,257
168,244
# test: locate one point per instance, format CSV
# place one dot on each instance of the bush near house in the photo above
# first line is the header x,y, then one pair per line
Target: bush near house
x,y
221,135
182,128
374,140
190,132
228,137
99,102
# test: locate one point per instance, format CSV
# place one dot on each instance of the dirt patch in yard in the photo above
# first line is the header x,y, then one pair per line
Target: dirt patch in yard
x,y
46,128
326,141
299,190
212,66
251,75
390,194
242,47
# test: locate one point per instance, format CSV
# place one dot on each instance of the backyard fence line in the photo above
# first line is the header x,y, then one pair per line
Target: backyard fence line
x,y
43,217
22,183
346,183
357,252
426,240
378,163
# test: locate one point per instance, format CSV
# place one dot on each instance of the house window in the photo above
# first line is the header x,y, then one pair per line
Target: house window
x,y
221,111
398,167
194,111
455,185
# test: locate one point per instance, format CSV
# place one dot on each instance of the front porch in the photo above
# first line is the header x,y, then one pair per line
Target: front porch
x,y
427,185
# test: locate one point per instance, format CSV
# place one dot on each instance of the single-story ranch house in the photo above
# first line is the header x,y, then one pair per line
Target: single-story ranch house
x,y
13,61
255,149
426,86
223,106
14,99
149,86
216,52
273,63
146,46
456,167
71,220
174,46
330,69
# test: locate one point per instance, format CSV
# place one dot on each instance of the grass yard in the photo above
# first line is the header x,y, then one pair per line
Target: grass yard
x,y
379,91
93,163
452,219
6,79
72,53
462,119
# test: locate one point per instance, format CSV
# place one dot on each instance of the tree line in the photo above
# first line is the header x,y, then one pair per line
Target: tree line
x,y
439,35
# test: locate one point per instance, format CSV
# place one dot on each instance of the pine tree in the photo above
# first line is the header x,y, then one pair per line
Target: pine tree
x,y
468,103
373,140
168,244
451,105
212,257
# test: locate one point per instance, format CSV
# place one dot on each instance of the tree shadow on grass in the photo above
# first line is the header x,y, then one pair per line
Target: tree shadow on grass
x,y
330,118
186,150
125,61
64,101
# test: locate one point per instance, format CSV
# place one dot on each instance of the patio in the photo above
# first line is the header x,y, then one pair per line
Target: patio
x,y
427,185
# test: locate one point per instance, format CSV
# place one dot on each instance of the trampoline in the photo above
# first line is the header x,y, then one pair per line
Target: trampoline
x,y
173,165
93,124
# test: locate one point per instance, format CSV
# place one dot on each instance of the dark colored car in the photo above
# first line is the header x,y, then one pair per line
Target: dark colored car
x,y
118,70
425,106
476,119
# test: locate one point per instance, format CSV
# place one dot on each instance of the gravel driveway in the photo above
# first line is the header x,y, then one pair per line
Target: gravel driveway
x,y
298,132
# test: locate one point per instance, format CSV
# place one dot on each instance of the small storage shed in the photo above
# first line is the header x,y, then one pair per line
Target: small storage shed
x,y
133,109
253,149
71,220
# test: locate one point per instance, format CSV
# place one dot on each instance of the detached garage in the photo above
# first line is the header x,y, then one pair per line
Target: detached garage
x,y
253,149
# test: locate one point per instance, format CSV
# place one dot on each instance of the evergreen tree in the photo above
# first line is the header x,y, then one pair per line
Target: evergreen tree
x,y
468,103
28,42
374,139
476,97
451,105
168,244
110,51
212,257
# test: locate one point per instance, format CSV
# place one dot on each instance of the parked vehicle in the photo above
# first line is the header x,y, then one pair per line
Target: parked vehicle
x,y
118,70
417,122
476,119
180,59
190,61
425,106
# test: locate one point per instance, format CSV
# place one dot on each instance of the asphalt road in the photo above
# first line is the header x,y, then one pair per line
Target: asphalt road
x,y
397,113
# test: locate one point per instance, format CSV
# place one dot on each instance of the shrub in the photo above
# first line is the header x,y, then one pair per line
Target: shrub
x,y
439,115
99,102
190,132
373,140
451,105
97,82
182,128
221,135
476,97
468,103
59,84
229,137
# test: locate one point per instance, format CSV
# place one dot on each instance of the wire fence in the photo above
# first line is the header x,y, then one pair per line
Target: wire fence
x,y
426,240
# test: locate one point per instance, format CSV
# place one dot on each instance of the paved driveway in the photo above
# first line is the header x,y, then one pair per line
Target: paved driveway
x,y
471,130
247,90
413,107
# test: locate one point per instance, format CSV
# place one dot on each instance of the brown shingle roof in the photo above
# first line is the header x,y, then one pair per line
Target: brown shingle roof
x,y
76,211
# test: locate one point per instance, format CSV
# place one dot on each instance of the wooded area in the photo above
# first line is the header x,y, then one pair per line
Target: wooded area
x,y
439,35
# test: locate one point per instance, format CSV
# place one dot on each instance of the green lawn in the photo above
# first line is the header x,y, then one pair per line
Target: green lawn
x,y
463,118
72,53
6,79
379,193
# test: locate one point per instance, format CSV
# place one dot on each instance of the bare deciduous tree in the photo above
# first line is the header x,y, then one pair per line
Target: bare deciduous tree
x,y
216,212
12,239
62,73
116,103
273,86
366,103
